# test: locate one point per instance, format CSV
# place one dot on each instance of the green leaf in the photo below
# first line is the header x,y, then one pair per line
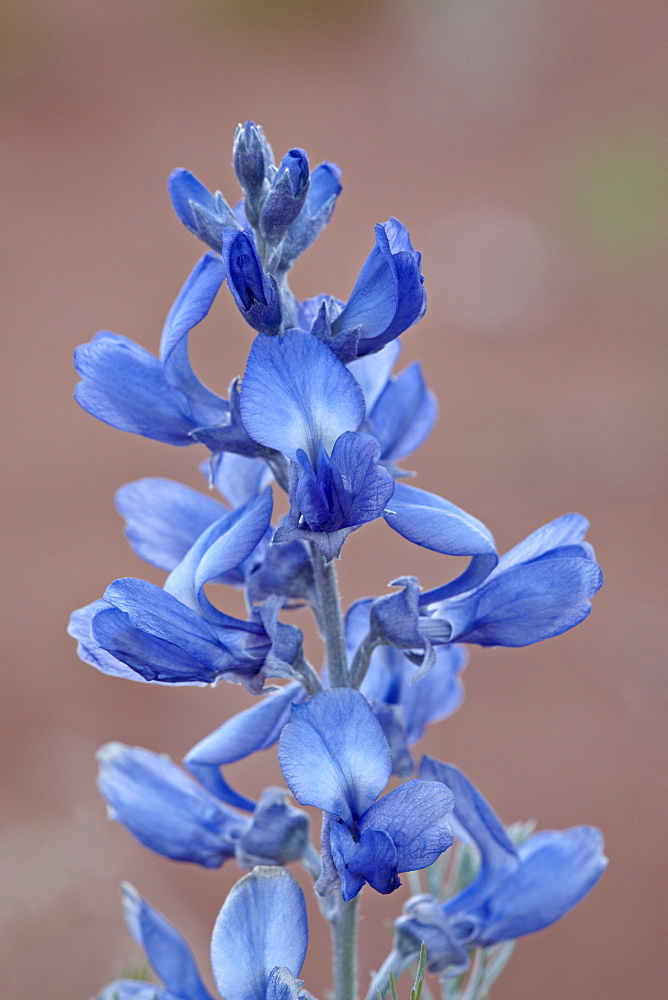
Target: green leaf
x,y
419,975
393,986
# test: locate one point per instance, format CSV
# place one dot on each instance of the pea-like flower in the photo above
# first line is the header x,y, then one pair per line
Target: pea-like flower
x,y
162,398
252,956
297,395
171,813
334,756
174,634
517,890
537,590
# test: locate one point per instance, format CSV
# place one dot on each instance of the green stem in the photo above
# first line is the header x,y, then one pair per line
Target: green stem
x,y
329,618
344,926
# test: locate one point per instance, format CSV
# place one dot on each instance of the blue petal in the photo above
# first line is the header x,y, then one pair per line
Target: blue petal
x,y
372,859
286,569
415,815
262,925
239,478
373,371
190,307
526,604
367,486
125,386
165,809
333,754
474,816
429,520
436,695
315,499
205,215
220,550
254,292
556,870
391,720
317,315
296,393
164,640
164,518
286,640
256,728
165,948
388,296
565,530
89,649
404,415
156,659
423,920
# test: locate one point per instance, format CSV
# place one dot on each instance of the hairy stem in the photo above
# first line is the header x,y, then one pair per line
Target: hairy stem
x,y
329,618
344,926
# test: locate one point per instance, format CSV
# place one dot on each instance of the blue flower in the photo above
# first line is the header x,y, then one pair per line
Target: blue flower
x,y
169,812
174,635
165,808
297,395
404,704
251,955
517,890
388,298
334,756
537,590
124,385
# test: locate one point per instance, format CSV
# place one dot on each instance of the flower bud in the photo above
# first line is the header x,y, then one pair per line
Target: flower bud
x,y
287,195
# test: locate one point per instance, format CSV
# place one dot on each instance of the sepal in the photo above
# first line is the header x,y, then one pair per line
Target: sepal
x,y
278,832
323,191
286,196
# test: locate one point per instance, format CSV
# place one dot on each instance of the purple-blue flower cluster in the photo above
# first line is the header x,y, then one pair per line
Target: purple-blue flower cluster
x,y
319,416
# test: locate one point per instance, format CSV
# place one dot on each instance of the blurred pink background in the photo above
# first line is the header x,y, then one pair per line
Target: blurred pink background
x,y
519,142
